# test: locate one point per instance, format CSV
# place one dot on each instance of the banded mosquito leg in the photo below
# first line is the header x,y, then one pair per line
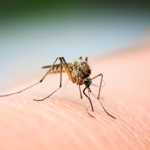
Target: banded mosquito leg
x,y
31,85
61,64
99,94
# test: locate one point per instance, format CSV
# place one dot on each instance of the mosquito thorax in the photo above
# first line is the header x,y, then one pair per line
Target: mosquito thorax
x,y
87,81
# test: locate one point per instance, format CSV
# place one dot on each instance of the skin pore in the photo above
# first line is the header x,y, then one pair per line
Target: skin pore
x,y
61,122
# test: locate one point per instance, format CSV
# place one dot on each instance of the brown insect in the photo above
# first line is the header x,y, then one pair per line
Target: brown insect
x,y
78,72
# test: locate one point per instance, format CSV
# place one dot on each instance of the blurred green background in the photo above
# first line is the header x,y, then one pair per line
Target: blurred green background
x,y
33,33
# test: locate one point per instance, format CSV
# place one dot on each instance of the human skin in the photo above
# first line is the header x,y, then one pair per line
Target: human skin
x,y
61,122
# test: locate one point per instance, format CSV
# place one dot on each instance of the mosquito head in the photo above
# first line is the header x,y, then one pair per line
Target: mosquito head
x,y
87,81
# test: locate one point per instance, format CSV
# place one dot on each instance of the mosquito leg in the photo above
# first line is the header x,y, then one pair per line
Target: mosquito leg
x,y
64,64
77,81
100,84
67,69
59,85
83,101
47,96
80,92
20,91
106,110
31,85
99,94
86,109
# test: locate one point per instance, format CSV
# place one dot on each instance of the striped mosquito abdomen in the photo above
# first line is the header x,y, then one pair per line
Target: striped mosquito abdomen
x,y
56,69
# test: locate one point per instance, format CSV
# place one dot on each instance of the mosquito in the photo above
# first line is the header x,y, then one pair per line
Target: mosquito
x,y
78,72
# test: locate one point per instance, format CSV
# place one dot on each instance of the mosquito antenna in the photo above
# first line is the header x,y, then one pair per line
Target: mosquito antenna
x,y
106,110
95,85
88,98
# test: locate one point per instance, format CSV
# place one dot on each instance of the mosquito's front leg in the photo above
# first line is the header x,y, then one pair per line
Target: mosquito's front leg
x,y
31,85
100,83
77,80
99,94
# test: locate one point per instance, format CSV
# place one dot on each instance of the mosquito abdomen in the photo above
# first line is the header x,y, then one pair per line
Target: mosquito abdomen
x,y
56,69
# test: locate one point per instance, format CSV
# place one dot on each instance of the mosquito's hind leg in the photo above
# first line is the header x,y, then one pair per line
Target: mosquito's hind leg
x,y
59,85
65,66
33,84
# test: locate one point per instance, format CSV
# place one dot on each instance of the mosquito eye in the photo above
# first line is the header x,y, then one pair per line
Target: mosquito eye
x,y
86,82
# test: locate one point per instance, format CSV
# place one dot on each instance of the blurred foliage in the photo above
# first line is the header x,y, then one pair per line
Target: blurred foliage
x,y
13,7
